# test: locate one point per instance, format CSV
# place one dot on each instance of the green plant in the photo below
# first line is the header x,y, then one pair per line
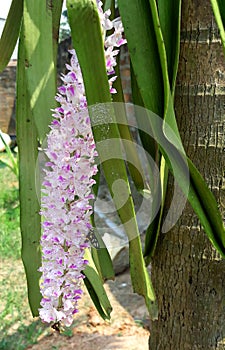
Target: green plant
x,y
9,213
11,162
17,329
153,43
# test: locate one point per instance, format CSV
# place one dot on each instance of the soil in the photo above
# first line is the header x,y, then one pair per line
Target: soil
x,y
127,329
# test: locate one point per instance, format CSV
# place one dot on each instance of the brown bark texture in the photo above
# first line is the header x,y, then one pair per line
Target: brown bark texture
x,y
188,274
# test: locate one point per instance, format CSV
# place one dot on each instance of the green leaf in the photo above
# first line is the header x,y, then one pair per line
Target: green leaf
x,y
4,163
150,146
10,32
169,115
101,256
40,62
85,28
222,10
147,91
130,147
219,13
139,31
211,220
95,288
103,263
56,16
143,124
13,165
208,215
169,16
88,43
140,277
153,230
193,186
30,221
36,85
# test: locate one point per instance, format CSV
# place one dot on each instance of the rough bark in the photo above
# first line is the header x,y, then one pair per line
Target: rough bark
x,y
188,275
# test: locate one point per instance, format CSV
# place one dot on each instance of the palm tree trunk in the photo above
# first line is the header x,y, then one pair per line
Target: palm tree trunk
x,y
188,275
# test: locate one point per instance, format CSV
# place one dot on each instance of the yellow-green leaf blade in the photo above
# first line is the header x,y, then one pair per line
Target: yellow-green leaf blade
x,y
96,289
40,63
169,16
218,7
141,41
30,221
10,32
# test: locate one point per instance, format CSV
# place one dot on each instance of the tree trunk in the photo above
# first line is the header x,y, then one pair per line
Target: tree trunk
x,y
188,275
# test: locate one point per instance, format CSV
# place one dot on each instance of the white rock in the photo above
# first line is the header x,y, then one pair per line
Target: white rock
x,y
7,140
119,252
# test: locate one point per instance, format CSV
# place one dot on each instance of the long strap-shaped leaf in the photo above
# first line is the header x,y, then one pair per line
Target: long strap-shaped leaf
x,y
36,84
208,214
199,194
10,32
29,206
169,16
169,115
147,90
95,288
171,36
139,60
100,254
219,12
135,168
149,144
195,188
56,15
169,65
103,261
40,63
212,217
139,31
87,39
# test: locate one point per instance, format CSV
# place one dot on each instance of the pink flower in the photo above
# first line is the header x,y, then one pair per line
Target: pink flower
x,y
66,192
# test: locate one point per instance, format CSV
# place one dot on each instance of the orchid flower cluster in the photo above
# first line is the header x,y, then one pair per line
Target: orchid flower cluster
x,y
67,194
